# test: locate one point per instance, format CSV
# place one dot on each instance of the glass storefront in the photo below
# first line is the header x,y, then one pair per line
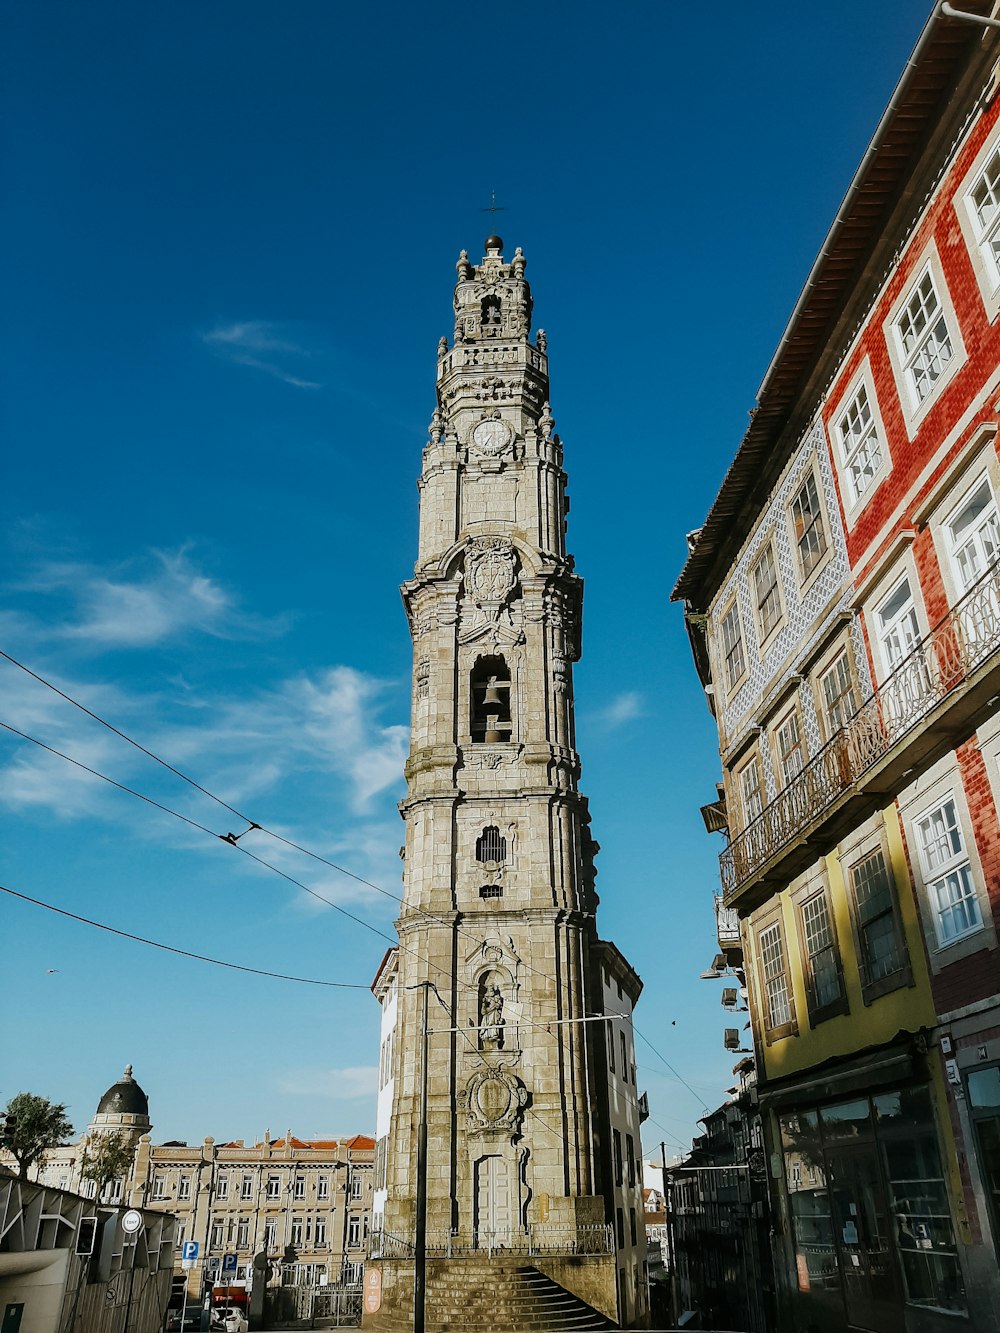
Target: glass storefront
x,y
984,1109
870,1218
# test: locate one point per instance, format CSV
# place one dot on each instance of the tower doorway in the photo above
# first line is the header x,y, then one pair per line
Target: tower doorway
x,y
493,1205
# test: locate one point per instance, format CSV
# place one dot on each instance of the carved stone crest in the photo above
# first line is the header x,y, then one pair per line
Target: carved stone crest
x,y
490,578
495,1100
489,572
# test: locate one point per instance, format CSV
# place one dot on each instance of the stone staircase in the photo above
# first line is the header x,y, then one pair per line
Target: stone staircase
x,y
490,1297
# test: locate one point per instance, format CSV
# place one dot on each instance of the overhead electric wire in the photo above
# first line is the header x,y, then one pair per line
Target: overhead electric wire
x,y
669,1066
253,824
185,953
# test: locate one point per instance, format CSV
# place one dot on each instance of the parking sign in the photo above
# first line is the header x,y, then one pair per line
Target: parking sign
x,y
189,1250
228,1264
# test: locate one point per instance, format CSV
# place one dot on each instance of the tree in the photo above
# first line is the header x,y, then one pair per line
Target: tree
x,y
31,1125
107,1157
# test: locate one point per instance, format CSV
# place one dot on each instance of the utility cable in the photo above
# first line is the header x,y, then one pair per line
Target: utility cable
x,y
253,824
184,953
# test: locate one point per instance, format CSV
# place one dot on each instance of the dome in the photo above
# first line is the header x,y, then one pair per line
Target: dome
x,y
493,243
124,1098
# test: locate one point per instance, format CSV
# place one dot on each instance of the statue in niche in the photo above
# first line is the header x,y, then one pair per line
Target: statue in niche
x,y
491,1020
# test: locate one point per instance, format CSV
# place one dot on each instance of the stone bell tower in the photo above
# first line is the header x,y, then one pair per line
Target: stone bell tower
x,y
499,903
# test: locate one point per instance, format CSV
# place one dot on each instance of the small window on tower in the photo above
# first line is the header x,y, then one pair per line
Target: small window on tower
x,y
490,688
491,847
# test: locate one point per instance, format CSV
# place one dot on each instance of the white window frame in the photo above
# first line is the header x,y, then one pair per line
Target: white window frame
x,y
733,657
897,637
778,1003
322,1187
272,1188
184,1187
819,524
751,803
791,717
952,869
766,552
940,783
848,446
818,937
955,547
907,361
246,1187
846,701
980,237
299,1190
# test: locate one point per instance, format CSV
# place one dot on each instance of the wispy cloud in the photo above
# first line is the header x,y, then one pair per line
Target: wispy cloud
x,y
262,346
622,708
334,1084
306,753
143,602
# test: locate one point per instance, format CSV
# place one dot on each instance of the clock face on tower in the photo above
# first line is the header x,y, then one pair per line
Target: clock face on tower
x,y
491,437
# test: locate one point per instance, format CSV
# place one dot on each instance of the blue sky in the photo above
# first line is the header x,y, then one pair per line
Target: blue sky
x,y
229,237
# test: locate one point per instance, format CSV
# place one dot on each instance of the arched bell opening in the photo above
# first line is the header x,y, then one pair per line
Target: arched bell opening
x,y
491,721
490,316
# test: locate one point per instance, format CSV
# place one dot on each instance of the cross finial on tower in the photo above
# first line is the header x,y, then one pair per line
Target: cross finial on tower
x,y
494,206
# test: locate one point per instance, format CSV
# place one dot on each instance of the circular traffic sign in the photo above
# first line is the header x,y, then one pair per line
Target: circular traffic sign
x,y
131,1221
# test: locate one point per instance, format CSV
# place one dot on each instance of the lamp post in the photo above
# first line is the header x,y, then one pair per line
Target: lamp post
x,y
420,1221
420,1232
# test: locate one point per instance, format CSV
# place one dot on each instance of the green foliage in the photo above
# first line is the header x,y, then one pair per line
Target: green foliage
x,y
107,1157
31,1125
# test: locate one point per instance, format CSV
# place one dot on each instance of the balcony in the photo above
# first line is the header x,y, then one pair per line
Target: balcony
x,y
930,703
727,925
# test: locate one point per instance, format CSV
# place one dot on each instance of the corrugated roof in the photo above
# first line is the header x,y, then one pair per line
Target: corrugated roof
x,y
929,77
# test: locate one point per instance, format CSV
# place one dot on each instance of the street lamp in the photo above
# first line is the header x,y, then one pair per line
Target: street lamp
x,y
420,1222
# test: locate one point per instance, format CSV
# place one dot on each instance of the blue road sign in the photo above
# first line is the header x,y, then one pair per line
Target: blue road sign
x,y
189,1250
229,1263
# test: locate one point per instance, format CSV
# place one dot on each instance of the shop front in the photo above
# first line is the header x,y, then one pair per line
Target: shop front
x,y
870,1237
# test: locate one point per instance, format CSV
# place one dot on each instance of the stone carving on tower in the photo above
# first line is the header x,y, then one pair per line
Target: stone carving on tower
x,y
498,921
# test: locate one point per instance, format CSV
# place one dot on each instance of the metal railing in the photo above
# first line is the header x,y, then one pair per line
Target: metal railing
x,y
537,1239
942,661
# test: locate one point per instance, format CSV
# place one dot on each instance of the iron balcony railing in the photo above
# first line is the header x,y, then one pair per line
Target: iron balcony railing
x,y
488,1241
941,662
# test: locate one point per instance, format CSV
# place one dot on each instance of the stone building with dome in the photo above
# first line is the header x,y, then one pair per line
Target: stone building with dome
x,y
306,1203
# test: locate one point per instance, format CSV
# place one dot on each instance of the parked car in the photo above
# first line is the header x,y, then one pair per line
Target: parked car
x,y
229,1319
192,1320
